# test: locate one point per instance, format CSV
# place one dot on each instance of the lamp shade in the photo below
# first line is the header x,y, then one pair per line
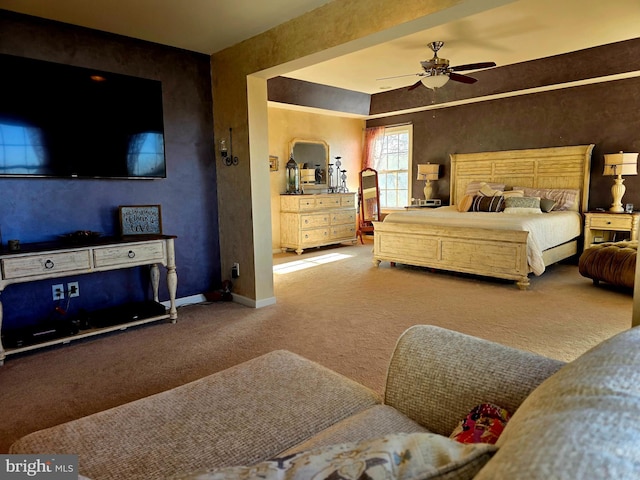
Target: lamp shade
x,y
621,164
435,81
428,171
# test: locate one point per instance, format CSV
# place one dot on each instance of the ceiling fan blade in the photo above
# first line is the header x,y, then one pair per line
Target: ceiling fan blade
x,y
415,85
462,78
400,76
472,66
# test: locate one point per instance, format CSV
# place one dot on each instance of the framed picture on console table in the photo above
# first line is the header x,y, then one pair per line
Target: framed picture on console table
x,y
140,220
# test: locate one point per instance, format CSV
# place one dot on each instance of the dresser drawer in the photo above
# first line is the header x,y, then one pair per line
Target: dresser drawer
x,y
328,201
611,222
348,200
45,264
338,218
313,237
314,221
343,231
306,203
132,253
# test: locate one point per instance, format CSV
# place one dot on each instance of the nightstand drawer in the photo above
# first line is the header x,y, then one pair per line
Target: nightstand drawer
x,y
50,263
611,222
129,254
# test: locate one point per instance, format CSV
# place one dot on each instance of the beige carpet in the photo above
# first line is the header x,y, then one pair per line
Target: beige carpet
x,y
333,307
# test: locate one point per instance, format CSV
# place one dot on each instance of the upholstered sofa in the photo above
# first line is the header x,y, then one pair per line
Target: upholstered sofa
x,y
570,421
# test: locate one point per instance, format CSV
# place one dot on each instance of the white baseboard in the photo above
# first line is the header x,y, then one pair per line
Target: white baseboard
x,y
199,298
250,302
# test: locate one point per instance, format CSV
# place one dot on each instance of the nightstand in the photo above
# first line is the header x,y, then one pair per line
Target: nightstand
x,y
604,227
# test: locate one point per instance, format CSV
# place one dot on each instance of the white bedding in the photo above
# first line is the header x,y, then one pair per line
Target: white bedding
x,y
546,230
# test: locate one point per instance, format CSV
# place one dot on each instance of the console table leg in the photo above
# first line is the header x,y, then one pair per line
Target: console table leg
x,y
172,280
154,272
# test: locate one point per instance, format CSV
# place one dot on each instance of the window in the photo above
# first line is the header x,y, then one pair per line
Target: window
x,y
393,162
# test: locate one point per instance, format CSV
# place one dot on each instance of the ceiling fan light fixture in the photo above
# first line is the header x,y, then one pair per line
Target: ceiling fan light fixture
x,y
435,81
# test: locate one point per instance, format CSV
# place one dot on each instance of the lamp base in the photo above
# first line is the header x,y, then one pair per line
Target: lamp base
x,y
617,192
428,190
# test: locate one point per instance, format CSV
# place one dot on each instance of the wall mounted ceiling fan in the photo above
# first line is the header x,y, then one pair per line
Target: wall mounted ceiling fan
x,y
437,72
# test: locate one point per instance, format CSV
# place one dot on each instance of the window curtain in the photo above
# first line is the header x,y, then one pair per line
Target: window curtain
x,y
373,139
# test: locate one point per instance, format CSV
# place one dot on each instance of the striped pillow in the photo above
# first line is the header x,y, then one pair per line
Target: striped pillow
x,y
565,198
481,203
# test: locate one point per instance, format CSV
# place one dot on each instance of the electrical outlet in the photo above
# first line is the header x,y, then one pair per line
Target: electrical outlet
x,y
235,270
73,289
57,291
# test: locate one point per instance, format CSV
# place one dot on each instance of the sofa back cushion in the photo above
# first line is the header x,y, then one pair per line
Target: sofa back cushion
x,y
436,376
583,422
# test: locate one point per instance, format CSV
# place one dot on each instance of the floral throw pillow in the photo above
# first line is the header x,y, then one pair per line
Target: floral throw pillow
x,y
483,424
424,456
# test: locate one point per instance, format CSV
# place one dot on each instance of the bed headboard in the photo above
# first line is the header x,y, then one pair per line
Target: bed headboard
x,y
552,167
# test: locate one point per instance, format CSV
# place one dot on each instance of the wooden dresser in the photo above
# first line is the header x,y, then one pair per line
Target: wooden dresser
x,y
315,220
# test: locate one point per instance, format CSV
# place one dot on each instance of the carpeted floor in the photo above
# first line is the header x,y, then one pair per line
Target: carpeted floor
x,y
333,307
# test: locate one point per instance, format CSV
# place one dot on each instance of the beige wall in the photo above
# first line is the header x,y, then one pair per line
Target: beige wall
x,y
344,136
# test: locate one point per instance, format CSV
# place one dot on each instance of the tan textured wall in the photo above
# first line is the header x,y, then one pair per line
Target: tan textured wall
x,y
333,29
344,136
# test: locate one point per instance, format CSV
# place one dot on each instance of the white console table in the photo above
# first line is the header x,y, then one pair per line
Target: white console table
x,y
40,261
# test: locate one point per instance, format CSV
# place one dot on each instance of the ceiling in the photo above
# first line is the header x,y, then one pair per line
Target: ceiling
x,y
518,31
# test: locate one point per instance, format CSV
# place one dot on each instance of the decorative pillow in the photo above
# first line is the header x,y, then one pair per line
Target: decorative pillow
x,y
398,456
522,205
565,198
513,193
484,424
474,187
465,203
546,204
487,204
487,191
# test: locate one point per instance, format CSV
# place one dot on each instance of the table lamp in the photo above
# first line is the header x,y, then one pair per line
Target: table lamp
x,y
428,172
619,164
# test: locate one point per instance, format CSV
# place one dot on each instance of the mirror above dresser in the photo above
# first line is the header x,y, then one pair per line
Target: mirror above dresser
x,y
312,157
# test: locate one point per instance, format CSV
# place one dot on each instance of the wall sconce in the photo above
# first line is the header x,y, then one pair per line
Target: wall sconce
x,y
618,164
227,155
428,172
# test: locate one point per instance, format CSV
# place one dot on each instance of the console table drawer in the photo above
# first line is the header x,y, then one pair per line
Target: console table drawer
x,y
54,263
125,254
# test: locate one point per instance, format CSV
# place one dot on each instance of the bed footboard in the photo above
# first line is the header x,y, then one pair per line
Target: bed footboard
x,y
490,253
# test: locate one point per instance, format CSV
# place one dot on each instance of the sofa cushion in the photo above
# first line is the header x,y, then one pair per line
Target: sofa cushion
x,y
245,414
582,422
414,456
377,421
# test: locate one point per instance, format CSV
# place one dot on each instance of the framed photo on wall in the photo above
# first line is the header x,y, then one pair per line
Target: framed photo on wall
x,y
273,163
140,220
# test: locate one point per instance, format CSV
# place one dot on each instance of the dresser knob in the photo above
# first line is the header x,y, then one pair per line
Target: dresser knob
x,y
131,254
49,264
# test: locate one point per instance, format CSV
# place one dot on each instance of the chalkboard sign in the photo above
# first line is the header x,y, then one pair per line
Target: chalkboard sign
x,y
140,220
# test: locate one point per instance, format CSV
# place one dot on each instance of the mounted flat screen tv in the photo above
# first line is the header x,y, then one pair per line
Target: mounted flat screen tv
x,y
69,122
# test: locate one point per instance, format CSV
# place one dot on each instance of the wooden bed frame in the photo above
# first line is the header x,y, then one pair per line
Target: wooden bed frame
x,y
488,252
